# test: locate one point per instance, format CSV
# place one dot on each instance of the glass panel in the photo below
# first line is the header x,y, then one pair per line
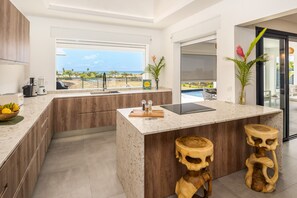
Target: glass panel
x,y
198,72
273,70
79,68
292,87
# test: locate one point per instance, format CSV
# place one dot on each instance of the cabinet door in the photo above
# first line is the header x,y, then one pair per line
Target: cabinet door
x,y
23,39
3,24
27,186
97,119
8,25
66,114
3,182
50,117
124,101
163,98
98,104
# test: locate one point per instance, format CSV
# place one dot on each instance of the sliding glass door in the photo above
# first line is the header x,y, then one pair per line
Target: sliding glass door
x,y
276,79
292,77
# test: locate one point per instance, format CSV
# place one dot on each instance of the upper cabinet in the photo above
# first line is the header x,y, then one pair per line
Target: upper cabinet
x,y
14,34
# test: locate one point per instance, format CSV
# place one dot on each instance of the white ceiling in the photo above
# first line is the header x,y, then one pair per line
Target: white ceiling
x,y
145,13
290,18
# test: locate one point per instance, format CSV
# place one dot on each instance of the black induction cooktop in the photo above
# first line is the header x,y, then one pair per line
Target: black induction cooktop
x,y
187,108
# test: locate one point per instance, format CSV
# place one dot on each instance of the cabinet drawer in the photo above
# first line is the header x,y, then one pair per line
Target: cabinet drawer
x,y
98,119
98,104
41,153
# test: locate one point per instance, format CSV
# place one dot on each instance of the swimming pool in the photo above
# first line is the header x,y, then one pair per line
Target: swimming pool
x,y
196,93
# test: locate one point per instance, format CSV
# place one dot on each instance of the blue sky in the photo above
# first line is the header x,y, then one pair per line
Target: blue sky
x,y
99,60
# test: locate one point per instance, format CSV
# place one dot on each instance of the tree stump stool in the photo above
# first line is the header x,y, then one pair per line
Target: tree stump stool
x,y
196,153
264,139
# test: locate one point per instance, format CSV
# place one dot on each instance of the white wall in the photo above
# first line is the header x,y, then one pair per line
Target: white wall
x,y
231,13
43,41
243,37
277,24
13,77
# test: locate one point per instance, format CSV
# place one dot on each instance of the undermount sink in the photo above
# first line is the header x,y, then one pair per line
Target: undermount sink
x,y
103,92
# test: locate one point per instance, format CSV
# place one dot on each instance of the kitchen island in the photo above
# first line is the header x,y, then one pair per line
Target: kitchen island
x,y
146,163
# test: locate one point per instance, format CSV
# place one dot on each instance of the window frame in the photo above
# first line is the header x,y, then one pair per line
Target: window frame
x,y
60,42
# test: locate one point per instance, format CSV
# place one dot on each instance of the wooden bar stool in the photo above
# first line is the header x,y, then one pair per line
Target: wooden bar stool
x,y
196,153
264,139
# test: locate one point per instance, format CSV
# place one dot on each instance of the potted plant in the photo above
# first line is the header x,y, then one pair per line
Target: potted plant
x,y
244,66
155,69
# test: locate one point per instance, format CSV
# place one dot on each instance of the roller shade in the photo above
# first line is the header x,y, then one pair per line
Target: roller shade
x,y
198,67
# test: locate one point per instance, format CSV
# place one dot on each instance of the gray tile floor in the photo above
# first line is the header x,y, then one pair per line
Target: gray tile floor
x,y
85,167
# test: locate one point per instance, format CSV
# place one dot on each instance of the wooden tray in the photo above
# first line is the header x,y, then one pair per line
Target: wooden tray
x,y
153,114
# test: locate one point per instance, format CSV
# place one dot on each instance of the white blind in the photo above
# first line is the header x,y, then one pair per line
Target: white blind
x,y
91,35
198,68
80,44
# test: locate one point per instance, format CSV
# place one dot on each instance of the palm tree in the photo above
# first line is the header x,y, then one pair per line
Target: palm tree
x,y
125,75
113,73
155,69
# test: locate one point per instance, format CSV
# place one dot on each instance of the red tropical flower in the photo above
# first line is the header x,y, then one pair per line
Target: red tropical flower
x,y
240,52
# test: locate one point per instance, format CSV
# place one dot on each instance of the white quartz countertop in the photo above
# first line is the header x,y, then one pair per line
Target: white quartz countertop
x,y
11,136
223,112
65,94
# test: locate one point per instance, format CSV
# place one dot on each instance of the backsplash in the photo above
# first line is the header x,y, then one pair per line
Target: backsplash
x,y
12,78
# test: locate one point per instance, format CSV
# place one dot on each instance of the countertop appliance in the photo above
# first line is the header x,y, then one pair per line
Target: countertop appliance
x,y
187,108
17,98
41,86
31,89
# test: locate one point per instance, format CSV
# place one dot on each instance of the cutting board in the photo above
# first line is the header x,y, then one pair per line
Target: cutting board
x,y
143,114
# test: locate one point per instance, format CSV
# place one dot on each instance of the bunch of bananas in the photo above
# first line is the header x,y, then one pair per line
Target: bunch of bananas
x,y
9,108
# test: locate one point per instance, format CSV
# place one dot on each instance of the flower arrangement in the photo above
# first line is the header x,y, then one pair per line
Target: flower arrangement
x,y
155,69
244,66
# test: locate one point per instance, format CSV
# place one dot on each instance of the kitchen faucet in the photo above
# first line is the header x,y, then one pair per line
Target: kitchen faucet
x,y
104,82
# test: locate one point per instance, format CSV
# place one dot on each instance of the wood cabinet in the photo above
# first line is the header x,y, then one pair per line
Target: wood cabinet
x,y
66,114
20,172
99,111
14,34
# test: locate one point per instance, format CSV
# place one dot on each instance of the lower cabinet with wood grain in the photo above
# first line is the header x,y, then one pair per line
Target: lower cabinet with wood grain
x,y
99,111
20,172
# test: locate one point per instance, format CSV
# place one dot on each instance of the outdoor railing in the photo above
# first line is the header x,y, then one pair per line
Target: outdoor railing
x,y
112,82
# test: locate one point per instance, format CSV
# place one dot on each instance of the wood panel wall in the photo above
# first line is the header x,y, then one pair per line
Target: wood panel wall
x,y
162,169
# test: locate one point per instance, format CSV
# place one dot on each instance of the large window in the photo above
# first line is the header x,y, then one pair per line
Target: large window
x,y
81,65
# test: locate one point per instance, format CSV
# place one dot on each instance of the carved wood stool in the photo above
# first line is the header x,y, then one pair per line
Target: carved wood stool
x,y
196,153
264,139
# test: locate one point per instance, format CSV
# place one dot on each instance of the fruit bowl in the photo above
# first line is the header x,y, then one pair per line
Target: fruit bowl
x,y
7,117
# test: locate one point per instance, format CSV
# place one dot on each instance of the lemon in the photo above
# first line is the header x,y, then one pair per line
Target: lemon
x,y
15,107
6,111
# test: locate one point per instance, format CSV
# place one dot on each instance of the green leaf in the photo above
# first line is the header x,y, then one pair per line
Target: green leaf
x,y
254,43
155,69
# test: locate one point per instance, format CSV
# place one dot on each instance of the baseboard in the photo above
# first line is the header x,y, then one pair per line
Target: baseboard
x,y
83,132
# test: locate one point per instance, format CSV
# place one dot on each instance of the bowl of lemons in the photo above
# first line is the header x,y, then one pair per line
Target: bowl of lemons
x,y
9,111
